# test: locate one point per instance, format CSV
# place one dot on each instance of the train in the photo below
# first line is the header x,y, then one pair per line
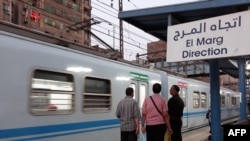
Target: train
x,y
51,92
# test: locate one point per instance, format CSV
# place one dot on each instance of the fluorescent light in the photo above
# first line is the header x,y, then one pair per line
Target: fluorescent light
x,y
155,81
79,69
122,78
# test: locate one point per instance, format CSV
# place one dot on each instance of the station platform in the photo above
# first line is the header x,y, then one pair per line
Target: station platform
x,y
200,134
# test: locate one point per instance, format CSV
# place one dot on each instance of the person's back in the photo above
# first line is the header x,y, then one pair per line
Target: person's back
x,y
249,107
156,121
208,116
128,112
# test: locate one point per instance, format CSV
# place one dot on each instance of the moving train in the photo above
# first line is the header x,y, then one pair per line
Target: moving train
x,y
50,92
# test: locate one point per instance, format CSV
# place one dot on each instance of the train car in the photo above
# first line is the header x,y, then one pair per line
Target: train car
x,y
50,92
196,96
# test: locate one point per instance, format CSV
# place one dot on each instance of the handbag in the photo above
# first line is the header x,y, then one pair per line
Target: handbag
x,y
167,136
143,137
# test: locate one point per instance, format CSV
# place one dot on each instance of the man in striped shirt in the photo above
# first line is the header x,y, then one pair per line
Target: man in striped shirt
x,y
128,112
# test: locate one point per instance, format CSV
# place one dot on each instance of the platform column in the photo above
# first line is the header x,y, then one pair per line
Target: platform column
x,y
215,100
242,84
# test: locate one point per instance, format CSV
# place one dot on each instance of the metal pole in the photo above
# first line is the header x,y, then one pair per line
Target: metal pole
x,y
113,36
215,100
242,84
121,30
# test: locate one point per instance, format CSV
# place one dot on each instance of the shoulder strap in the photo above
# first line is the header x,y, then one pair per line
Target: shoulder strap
x,y
155,105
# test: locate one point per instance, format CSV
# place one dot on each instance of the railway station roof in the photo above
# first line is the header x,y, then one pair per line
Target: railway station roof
x,y
155,20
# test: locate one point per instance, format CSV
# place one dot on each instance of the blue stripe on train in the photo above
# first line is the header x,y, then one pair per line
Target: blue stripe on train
x,y
63,134
8,133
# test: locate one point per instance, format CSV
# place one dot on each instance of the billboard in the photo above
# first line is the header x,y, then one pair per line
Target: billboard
x,y
218,37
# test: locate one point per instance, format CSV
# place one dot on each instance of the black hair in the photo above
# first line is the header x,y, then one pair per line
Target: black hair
x,y
176,88
157,88
129,91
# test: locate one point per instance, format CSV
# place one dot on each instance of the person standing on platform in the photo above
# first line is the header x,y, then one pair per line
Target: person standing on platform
x,y
129,114
248,107
208,117
155,116
175,111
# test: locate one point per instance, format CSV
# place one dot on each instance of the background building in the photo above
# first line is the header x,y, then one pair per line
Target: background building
x,y
67,19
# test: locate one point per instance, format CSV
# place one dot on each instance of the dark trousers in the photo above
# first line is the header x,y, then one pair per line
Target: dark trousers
x,y
209,122
176,124
128,136
155,132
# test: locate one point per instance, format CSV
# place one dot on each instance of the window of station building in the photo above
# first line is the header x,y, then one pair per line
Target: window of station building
x,y
87,2
223,101
75,6
203,100
86,43
6,9
196,99
62,25
87,12
75,19
50,9
49,22
64,2
63,14
33,2
96,95
52,93
86,35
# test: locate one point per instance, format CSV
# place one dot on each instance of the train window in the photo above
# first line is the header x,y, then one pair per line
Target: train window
x,y
183,92
96,95
51,93
223,101
203,100
234,103
196,99
237,102
132,85
142,95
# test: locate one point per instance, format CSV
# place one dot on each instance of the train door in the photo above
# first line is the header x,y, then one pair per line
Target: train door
x,y
140,91
183,95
